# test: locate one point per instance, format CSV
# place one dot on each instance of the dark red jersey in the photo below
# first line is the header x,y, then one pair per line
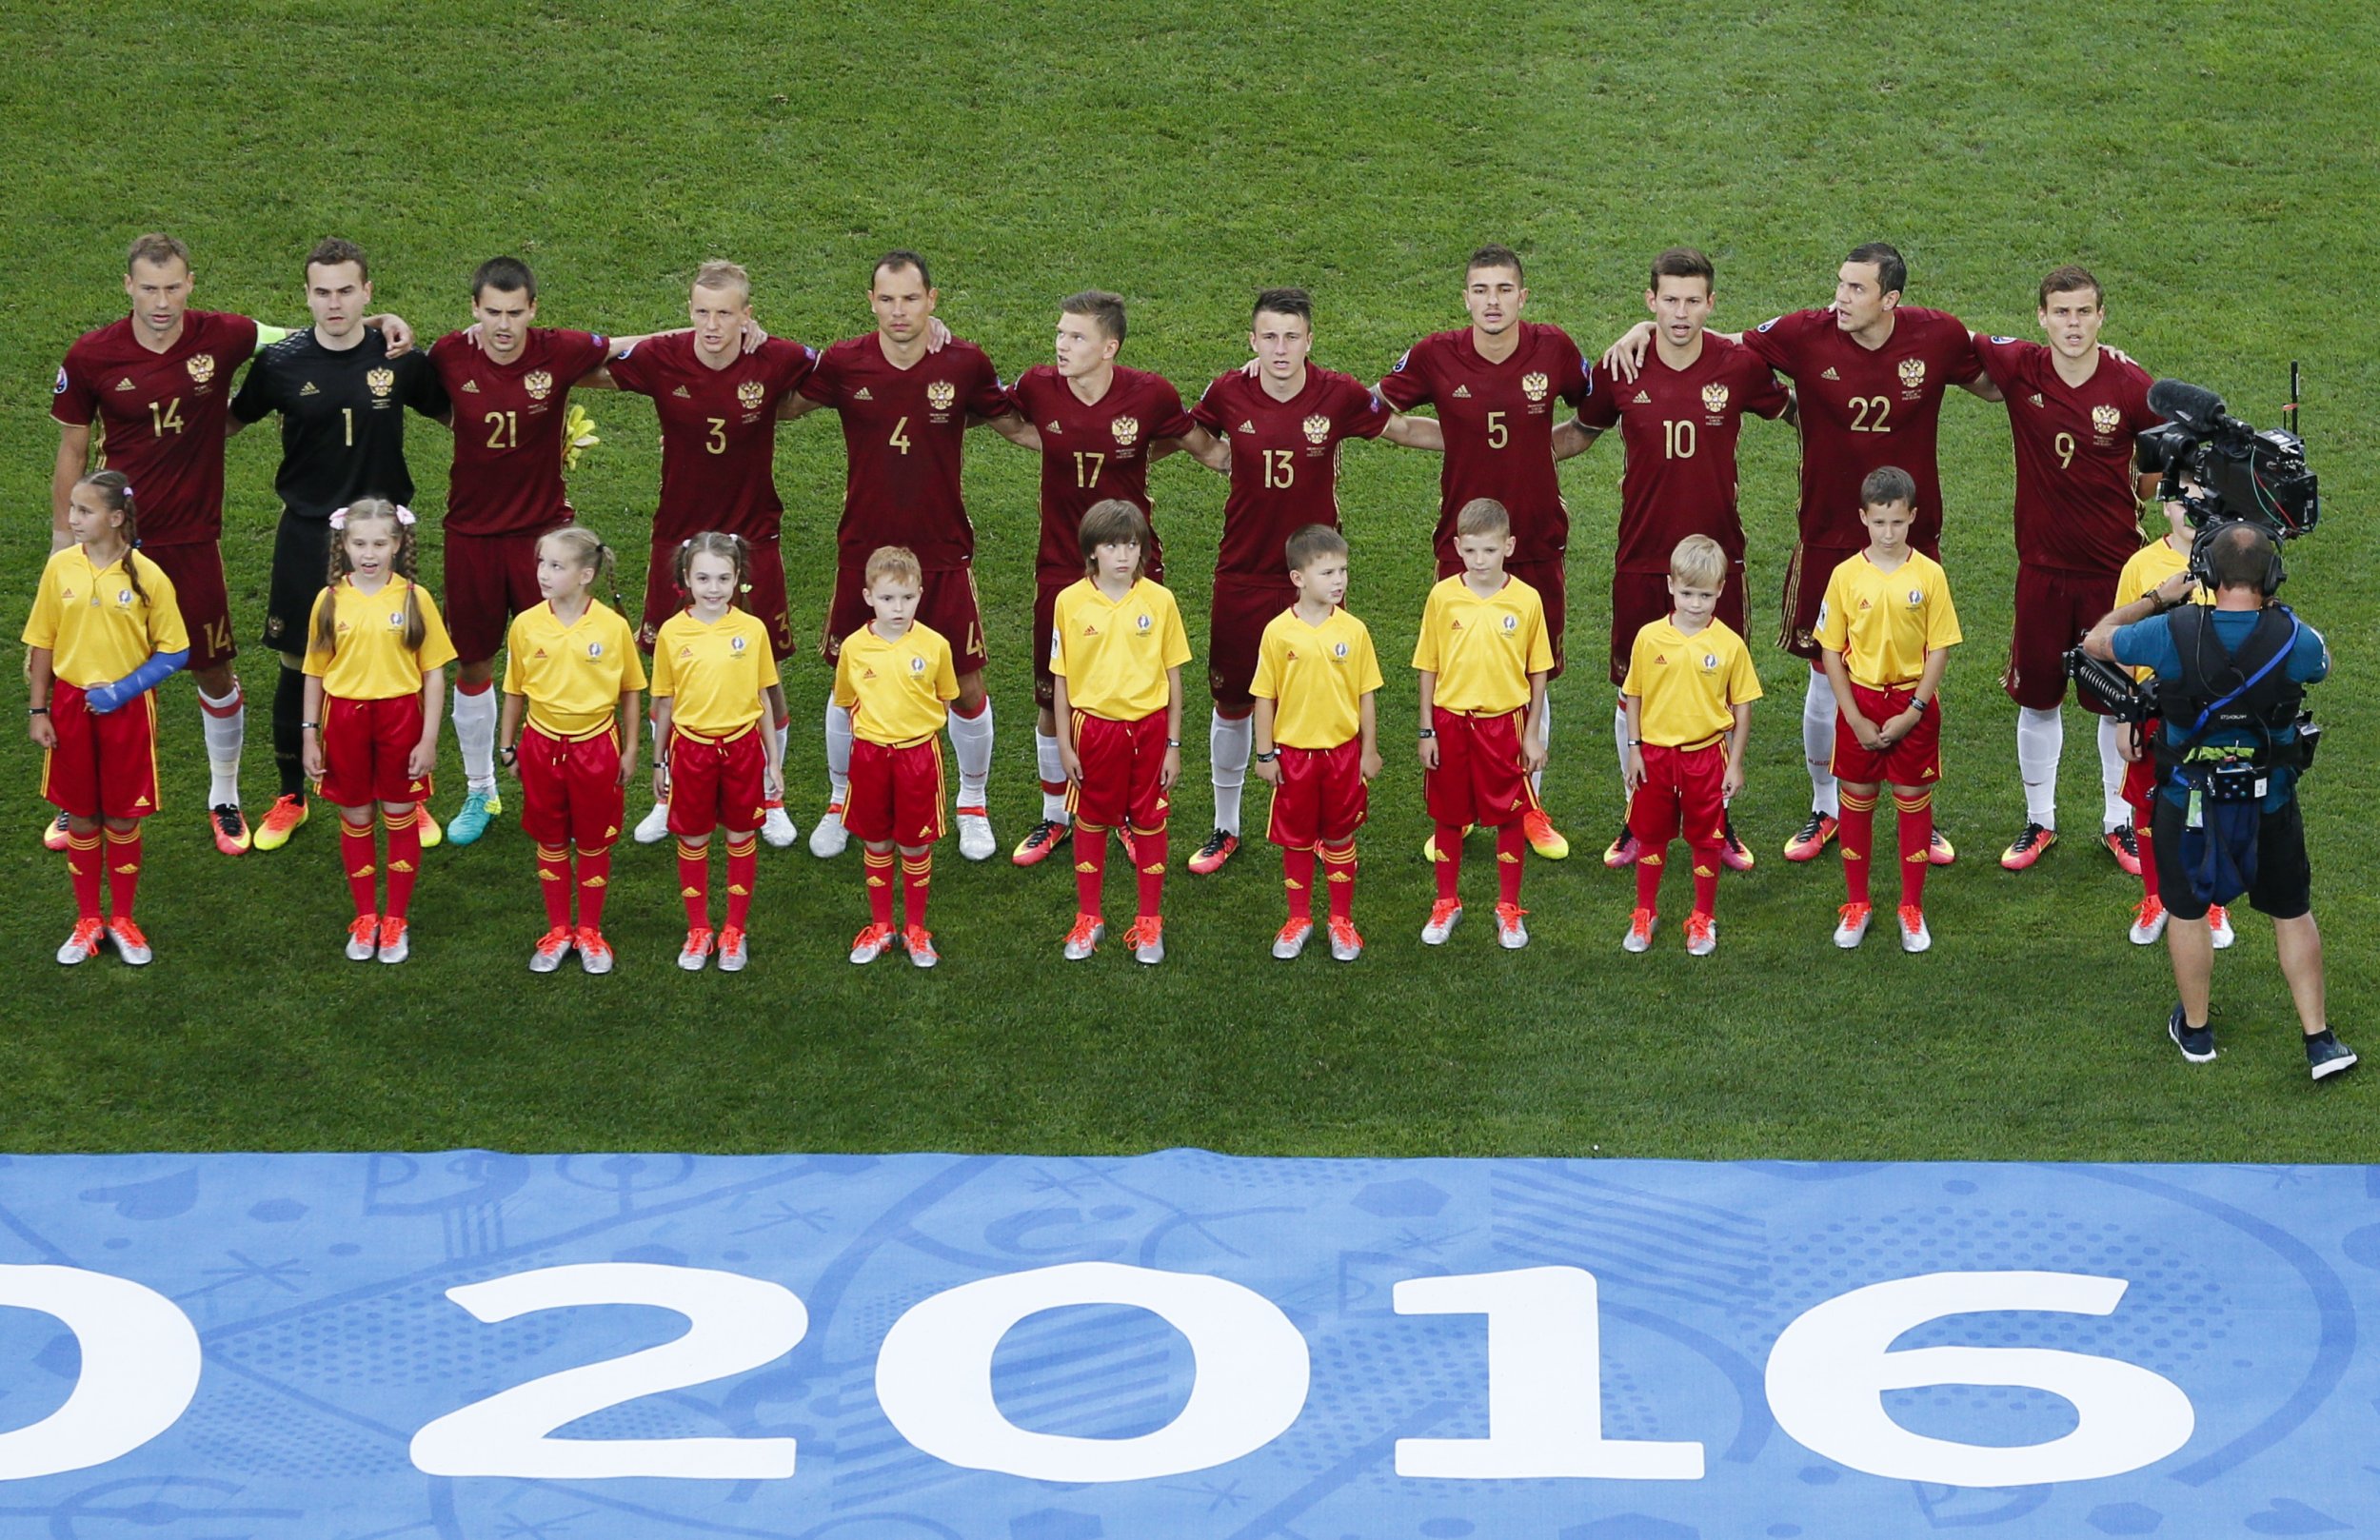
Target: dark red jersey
x,y
161,416
2076,503
1861,410
902,430
1678,429
1498,423
1284,459
1092,451
718,431
508,428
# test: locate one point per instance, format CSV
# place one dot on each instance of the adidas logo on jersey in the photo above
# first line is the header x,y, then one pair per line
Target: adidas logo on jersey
x,y
1247,427
862,394
307,390
1830,374
1462,392
2035,399
470,387
683,393
1642,400
124,384
1051,426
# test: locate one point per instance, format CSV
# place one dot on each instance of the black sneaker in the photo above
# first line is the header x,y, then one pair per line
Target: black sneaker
x,y
1040,841
2030,841
2325,1055
2197,1043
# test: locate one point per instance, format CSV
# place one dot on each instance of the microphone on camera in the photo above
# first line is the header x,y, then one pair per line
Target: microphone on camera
x,y
2194,407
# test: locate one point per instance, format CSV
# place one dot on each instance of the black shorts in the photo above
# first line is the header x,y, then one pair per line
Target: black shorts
x,y
301,570
2284,886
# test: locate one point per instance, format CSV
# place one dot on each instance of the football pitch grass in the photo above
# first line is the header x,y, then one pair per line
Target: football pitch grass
x,y
2214,165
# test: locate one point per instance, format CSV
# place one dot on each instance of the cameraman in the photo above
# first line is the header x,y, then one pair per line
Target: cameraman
x,y
2230,683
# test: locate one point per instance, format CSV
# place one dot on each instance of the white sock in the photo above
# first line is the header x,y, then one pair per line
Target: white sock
x,y
225,719
2114,812
1228,745
837,753
2040,738
1537,778
971,744
475,735
1817,744
1053,771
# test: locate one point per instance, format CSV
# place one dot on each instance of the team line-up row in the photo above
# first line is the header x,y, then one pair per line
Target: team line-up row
x,y
1869,374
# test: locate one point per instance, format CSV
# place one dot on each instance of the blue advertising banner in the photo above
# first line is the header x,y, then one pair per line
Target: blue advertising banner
x,y
474,1346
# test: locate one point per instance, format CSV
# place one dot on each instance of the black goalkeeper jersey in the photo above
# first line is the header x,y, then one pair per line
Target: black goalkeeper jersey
x,y
342,417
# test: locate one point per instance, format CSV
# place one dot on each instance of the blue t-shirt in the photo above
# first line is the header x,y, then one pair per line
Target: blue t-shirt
x,y
2150,644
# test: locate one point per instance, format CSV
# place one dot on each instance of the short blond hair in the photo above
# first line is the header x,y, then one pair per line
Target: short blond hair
x,y
1483,516
1699,562
897,562
725,275
156,247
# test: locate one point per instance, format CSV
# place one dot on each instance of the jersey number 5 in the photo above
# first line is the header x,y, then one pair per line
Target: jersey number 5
x,y
1498,435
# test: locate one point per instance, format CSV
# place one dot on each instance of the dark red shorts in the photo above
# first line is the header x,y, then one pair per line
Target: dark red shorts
x,y
1681,794
570,789
1237,616
2053,609
196,572
1553,592
1121,765
103,766
717,780
764,596
1638,599
1321,799
1915,761
489,580
896,793
948,605
366,744
1478,779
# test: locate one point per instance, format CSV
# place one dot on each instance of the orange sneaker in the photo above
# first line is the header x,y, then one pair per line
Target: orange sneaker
x,y
1703,934
131,946
54,835
594,951
395,946
697,949
1443,913
1851,927
1639,936
1346,942
1510,933
285,818
551,948
363,939
872,942
81,943
227,823
734,949
1084,937
919,942
1146,938
1543,837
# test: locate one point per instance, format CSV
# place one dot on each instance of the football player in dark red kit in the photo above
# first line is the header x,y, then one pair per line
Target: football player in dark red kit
x,y
157,385
906,401
1274,426
1678,422
1496,386
510,382
1098,425
717,397
2074,409
1869,375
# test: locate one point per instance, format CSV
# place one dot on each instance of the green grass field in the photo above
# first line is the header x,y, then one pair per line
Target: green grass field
x,y
2214,165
